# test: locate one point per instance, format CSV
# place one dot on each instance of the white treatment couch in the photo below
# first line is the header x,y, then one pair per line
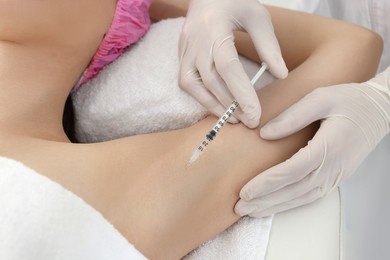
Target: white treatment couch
x,y
314,231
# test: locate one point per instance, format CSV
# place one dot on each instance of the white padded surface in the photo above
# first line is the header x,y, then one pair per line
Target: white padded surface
x,y
311,232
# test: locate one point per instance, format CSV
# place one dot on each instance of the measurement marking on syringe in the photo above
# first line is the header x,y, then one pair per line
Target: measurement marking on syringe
x,y
222,121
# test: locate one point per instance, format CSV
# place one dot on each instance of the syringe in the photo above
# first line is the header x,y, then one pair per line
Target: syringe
x,y
222,120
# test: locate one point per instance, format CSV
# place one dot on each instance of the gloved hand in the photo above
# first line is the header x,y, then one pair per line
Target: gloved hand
x,y
355,117
210,70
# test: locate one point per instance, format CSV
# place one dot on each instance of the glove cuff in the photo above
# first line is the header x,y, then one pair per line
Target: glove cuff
x,y
382,79
381,85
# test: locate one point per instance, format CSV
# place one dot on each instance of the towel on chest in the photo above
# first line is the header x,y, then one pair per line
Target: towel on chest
x,y
39,219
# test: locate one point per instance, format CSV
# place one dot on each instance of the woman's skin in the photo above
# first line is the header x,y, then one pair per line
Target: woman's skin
x,y
142,184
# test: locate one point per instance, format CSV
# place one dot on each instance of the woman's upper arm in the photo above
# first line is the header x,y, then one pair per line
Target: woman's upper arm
x,y
58,20
301,35
164,9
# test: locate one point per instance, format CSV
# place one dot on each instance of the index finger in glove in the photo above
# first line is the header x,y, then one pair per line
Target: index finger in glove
x,y
261,31
199,78
303,163
254,211
312,107
232,72
281,196
191,82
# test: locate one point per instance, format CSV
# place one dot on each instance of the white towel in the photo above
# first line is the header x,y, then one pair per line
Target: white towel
x,y
39,219
247,239
139,94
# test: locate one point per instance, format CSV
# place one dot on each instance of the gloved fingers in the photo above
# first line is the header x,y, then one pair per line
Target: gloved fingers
x,y
300,165
183,45
232,72
265,42
215,85
193,84
278,197
197,71
309,109
253,210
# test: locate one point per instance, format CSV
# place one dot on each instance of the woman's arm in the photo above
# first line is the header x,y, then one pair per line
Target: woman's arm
x,y
164,9
328,52
344,49
300,39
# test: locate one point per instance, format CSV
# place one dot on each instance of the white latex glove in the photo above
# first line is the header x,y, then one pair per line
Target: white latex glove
x,y
210,70
355,117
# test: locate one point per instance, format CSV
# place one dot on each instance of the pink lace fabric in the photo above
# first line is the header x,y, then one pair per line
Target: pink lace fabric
x,y
131,21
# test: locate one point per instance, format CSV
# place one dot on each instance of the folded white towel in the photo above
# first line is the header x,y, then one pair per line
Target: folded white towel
x,y
39,219
139,94
246,240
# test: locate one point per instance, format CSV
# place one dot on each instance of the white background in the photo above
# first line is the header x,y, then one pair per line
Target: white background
x,y
282,3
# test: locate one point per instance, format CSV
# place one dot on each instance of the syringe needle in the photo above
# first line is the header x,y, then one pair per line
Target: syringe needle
x,y
222,120
262,69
